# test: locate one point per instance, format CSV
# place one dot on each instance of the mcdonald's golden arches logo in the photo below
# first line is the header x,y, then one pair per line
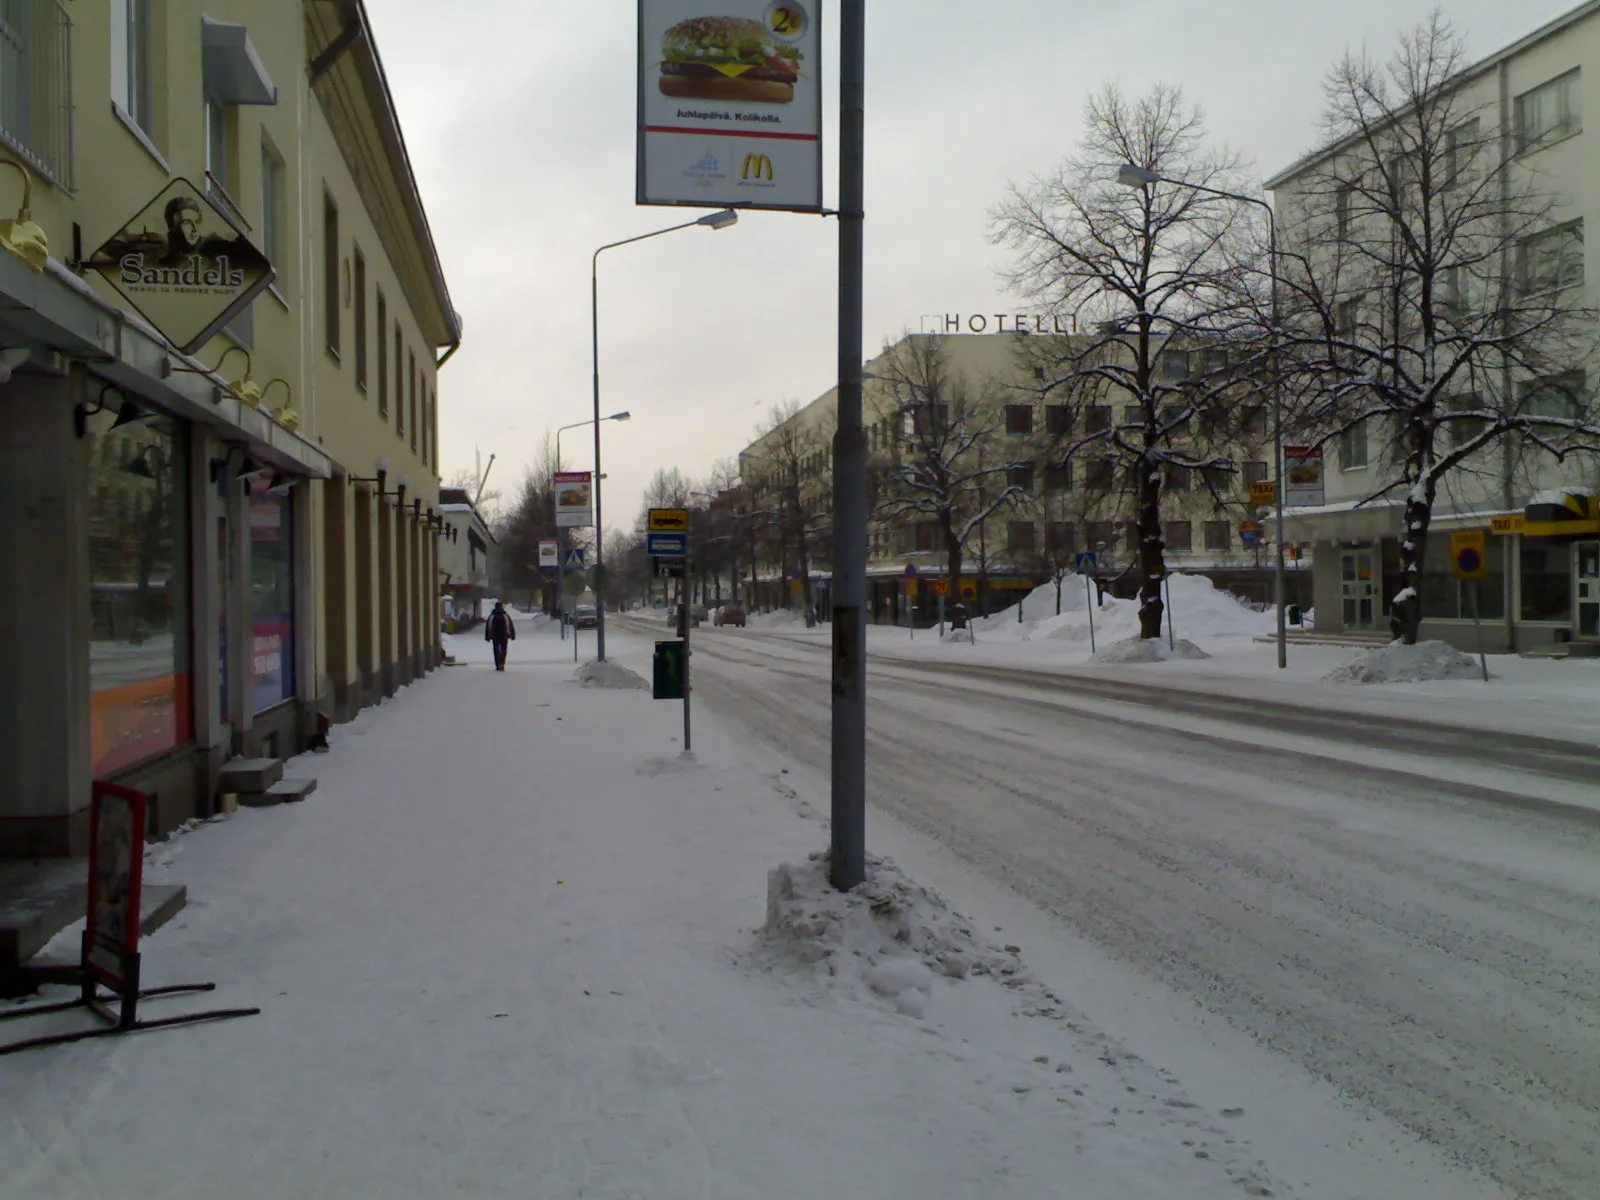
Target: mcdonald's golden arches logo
x,y
756,167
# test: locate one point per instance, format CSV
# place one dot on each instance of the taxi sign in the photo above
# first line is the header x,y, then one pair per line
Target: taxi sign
x,y
668,520
1468,559
1264,493
1505,525
940,587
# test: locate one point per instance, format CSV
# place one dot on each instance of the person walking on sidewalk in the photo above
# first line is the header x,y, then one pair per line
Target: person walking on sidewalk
x,y
500,631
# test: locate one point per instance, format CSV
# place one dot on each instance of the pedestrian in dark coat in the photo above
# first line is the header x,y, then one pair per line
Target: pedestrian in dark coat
x,y
499,631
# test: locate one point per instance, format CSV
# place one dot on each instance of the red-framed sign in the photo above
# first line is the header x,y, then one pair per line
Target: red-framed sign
x,y
117,818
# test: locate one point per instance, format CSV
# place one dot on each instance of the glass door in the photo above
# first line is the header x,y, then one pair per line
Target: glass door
x,y
1358,589
1586,588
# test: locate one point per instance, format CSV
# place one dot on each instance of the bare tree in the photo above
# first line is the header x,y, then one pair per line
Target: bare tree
x,y
1156,272
1436,288
941,465
792,475
531,518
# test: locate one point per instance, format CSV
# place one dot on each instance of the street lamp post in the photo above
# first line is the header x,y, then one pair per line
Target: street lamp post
x,y
1131,175
720,219
561,562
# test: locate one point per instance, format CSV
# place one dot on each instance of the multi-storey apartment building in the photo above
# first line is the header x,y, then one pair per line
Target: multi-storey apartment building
x,y
1014,461
1512,182
216,533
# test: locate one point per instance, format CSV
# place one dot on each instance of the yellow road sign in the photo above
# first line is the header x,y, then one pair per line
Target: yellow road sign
x,y
940,587
969,590
669,520
1468,557
1511,524
911,587
1264,493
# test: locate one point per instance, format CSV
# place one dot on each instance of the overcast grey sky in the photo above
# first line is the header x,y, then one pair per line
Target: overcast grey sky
x,y
519,119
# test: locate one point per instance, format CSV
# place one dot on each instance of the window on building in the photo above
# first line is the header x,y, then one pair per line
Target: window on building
x,y
359,317
1217,480
1175,419
130,60
927,536
930,420
35,86
1218,536
1020,475
1347,318
1061,538
413,381
1019,537
383,355
1175,479
1058,420
1177,536
1343,207
1132,416
1097,418
1174,365
1353,447
1464,429
1252,473
1100,475
433,428
1564,397
1019,419
1460,292
271,205
219,149
1098,535
1214,361
140,701
1255,420
1130,536
330,273
1058,477
1549,112
1546,581
272,642
1461,152
1550,260
399,384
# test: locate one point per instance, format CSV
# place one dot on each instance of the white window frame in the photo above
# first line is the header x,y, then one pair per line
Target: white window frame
x,y
1569,267
1550,113
130,60
1349,441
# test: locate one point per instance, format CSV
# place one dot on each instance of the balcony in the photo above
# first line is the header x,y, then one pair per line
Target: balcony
x,y
36,86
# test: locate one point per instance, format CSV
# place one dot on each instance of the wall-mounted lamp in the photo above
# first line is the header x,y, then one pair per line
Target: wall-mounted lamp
x,y
245,388
128,413
20,234
381,479
286,416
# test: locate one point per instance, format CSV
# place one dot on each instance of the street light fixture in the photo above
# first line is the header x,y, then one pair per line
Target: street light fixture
x,y
721,219
1135,176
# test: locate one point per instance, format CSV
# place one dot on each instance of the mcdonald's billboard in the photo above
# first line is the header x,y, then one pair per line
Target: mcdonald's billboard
x,y
730,104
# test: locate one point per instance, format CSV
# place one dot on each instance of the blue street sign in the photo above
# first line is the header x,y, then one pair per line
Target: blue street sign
x,y
573,559
911,570
1250,536
667,545
1085,560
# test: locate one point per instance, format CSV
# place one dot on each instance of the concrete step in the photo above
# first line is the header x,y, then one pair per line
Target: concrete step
x,y
40,899
285,791
250,774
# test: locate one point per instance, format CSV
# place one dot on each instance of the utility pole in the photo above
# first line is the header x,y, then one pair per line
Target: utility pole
x,y
848,854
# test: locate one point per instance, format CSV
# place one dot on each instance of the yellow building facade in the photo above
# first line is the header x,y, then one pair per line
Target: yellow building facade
x,y
219,539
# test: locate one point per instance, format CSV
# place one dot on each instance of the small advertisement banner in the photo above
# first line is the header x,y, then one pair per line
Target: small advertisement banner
x,y
116,863
730,104
547,552
1302,469
184,266
574,499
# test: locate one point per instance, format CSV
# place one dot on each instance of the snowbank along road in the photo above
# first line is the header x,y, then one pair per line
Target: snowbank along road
x,y
1410,914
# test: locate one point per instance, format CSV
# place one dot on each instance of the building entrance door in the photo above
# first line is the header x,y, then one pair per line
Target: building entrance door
x,y
1586,588
1358,588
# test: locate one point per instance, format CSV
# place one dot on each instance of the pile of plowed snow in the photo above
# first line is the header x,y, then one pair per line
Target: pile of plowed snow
x,y
1148,650
607,675
1399,663
1198,607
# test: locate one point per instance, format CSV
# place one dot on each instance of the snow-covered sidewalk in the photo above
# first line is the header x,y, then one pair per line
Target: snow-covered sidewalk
x,y
514,946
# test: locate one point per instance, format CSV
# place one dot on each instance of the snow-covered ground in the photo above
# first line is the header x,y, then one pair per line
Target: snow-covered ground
x,y
518,944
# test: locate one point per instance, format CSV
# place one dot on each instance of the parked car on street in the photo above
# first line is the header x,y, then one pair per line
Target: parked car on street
x,y
731,614
584,616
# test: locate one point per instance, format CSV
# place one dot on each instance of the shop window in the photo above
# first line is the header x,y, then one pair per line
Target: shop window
x,y
140,698
272,633
1546,582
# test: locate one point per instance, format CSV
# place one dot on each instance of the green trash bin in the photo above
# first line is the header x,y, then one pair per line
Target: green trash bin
x,y
1292,612
666,671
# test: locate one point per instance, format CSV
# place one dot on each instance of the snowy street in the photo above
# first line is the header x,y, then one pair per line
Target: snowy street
x,y
515,945
1406,913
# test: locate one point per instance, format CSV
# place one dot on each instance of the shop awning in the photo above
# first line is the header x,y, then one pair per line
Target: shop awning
x,y
1562,513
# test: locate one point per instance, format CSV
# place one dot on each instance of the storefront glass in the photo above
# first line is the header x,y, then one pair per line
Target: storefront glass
x,y
1444,598
271,596
1546,580
140,701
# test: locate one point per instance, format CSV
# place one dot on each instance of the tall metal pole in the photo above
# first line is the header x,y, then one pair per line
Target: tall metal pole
x,y
1277,440
848,855
599,530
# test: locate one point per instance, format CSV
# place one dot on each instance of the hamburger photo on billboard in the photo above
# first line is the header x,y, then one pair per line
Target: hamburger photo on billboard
x,y
732,59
